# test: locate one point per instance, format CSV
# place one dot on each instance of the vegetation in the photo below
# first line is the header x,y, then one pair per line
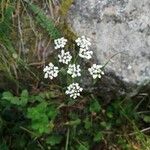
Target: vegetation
x,y
43,121
33,113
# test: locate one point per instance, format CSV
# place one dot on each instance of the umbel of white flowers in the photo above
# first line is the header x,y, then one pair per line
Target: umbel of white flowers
x,y
60,43
64,57
84,44
51,71
96,71
74,70
74,90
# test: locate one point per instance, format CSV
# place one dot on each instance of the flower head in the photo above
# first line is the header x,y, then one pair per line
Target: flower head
x,y
85,53
64,57
96,71
74,70
60,43
74,90
83,42
50,71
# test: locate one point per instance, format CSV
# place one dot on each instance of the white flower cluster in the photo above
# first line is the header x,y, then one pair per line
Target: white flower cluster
x,y
50,71
96,71
74,70
60,43
74,90
84,44
85,53
64,57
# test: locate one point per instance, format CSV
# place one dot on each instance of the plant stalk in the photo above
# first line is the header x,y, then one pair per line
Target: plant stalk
x,y
67,140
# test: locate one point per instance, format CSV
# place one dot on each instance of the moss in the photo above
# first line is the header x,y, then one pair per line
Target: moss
x,y
65,6
67,31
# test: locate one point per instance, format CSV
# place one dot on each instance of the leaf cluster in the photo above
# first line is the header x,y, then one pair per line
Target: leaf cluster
x,y
45,22
42,122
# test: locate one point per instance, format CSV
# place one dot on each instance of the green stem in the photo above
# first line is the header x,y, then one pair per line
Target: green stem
x,y
67,140
112,57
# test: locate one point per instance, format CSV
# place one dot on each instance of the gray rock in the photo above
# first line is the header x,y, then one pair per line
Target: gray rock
x,y
119,27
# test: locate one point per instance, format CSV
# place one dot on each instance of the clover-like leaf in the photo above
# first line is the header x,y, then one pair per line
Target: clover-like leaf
x,y
95,106
54,139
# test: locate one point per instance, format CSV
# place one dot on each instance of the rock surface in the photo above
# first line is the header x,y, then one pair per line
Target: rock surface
x,y
119,27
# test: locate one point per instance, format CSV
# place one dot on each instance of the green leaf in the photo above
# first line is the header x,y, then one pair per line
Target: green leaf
x,y
15,100
38,112
21,101
95,106
44,21
24,97
52,112
83,146
41,125
109,114
38,98
40,122
146,119
41,107
25,93
98,136
7,96
105,125
87,123
54,139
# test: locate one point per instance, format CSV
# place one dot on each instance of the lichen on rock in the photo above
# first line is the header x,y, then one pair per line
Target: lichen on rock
x,y
117,26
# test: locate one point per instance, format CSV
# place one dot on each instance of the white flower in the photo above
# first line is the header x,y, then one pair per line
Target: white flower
x,y
50,71
74,70
83,42
74,90
84,53
64,57
60,43
96,71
